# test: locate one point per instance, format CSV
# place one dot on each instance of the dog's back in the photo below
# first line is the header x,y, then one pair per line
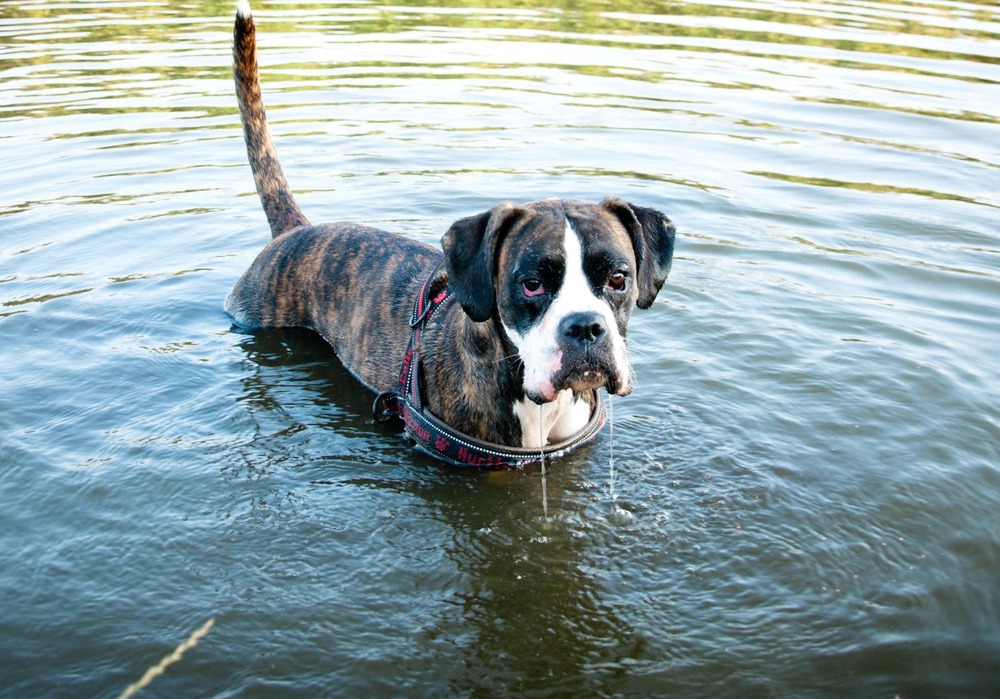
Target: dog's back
x,y
352,284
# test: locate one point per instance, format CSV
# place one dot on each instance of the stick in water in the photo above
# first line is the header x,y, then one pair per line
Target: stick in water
x,y
158,669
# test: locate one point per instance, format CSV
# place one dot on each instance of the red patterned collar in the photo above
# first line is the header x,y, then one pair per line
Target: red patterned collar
x,y
433,436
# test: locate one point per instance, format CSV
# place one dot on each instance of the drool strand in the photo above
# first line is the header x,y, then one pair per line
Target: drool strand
x,y
611,437
541,453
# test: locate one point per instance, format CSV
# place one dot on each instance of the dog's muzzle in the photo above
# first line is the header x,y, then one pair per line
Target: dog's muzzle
x,y
588,358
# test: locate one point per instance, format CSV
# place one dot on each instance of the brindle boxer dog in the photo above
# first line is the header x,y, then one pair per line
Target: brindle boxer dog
x,y
544,293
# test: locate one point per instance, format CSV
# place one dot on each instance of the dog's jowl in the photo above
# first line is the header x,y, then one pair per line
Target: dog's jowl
x,y
504,340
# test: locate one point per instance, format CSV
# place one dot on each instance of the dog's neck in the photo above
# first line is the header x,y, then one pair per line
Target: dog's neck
x,y
554,421
491,405
546,423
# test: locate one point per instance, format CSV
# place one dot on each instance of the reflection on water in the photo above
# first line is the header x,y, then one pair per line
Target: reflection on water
x,y
806,487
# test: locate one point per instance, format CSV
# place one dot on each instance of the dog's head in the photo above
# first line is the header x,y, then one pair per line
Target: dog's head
x,y
562,278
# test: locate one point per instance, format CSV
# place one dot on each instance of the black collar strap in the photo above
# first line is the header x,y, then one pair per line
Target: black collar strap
x,y
438,439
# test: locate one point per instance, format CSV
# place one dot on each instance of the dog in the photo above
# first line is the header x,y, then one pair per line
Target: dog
x,y
505,336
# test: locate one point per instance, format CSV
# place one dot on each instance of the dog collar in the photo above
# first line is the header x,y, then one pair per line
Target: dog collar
x,y
431,434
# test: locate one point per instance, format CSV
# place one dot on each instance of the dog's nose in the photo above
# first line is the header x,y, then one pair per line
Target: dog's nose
x,y
583,327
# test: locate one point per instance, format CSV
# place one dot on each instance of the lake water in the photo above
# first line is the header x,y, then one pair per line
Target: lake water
x,y
805,498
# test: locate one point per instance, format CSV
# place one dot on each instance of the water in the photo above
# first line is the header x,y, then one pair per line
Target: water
x,y
806,489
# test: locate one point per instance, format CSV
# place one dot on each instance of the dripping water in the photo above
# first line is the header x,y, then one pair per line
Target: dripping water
x,y
541,452
611,435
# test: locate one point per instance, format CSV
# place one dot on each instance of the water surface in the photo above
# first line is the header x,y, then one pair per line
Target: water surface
x,y
806,493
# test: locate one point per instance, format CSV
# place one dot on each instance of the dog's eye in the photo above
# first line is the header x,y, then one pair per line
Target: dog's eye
x,y
616,282
532,288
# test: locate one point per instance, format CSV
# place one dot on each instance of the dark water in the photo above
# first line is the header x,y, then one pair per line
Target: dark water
x,y
806,494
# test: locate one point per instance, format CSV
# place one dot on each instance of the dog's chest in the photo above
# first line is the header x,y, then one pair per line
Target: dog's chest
x,y
551,422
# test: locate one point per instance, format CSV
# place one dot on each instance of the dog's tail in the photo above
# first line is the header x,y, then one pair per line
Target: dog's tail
x,y
283,213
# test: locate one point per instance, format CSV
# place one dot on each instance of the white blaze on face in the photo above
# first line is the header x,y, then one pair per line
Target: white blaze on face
x,y
539,350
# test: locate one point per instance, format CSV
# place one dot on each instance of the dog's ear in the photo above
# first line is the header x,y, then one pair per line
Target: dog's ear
x,y
652,236
470,253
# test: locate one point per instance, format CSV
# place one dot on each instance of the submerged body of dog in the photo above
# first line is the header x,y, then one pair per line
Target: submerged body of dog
x,y
544,292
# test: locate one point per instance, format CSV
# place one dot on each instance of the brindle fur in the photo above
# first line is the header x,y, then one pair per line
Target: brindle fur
x,y
355,285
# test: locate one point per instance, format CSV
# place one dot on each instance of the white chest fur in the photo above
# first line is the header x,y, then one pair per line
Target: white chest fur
x,y
551,422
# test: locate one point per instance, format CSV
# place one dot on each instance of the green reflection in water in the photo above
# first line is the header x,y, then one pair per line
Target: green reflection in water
x,y
868,187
